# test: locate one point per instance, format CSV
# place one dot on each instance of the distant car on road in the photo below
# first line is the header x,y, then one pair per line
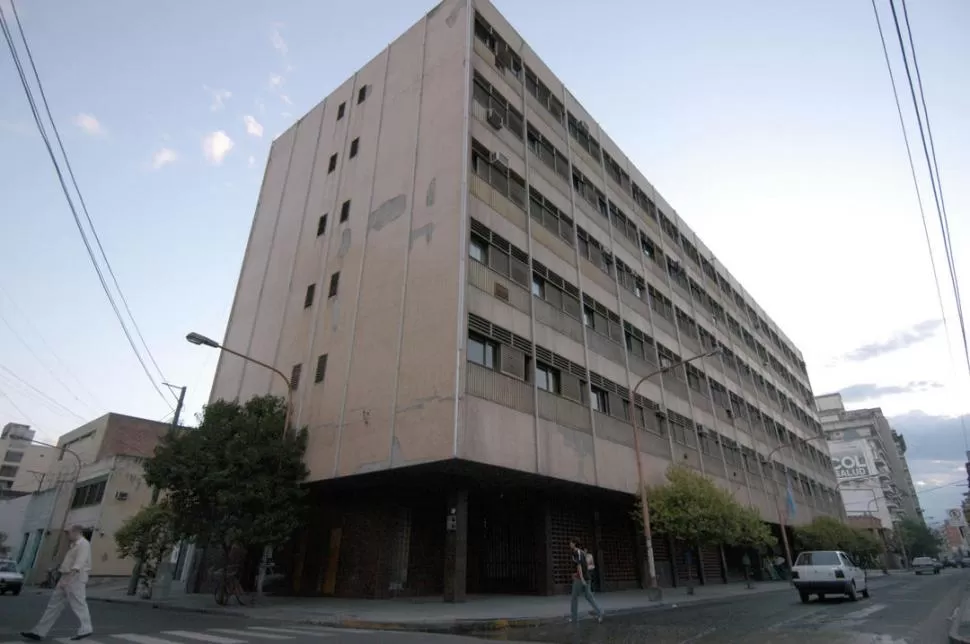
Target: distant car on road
x,y
926,564
828,572
10,578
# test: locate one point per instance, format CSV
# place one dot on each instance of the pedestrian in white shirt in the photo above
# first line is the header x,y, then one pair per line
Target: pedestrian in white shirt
x,y
70,590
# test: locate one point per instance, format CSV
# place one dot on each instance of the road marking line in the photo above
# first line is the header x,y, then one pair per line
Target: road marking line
x,y
202,637
264,636
141,639
865,612
694,638
289,630
67,640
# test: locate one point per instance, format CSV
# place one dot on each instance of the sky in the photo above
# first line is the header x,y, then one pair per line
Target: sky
x,y
770,126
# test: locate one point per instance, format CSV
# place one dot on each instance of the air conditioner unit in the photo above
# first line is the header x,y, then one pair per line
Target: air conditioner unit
x,y
121,496
501,292
503,57
584,126
495,119
499,159
661,413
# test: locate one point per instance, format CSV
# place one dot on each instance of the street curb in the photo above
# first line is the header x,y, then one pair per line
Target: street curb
x,y
956,619
453,627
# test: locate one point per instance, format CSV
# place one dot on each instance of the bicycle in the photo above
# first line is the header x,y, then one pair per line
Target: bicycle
x,y
229,586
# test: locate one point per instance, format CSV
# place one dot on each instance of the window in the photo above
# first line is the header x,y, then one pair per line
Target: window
x,y
353,147
8,471
13,457
600,400
478,250
322,225
362,94
90,494
308,298
547,378
588,316
333,164
345,211
341,109
321,371
295,376
334,283
481,351
538,286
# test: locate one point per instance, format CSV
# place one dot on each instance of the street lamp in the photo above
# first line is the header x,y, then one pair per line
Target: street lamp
x,y
781,521
203,341
644,508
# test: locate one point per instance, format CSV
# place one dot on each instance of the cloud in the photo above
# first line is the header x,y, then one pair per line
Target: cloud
x,y
286,99
869,391
89,124
219,97
216,146
163,157
276,39
253,126
899,341
276,80
252,161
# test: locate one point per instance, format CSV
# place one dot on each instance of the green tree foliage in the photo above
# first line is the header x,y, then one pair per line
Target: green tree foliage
x,y
753,532
827,533
918,539
236,478
148,534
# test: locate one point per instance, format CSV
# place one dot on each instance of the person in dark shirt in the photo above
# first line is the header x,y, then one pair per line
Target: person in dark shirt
x,y
581,582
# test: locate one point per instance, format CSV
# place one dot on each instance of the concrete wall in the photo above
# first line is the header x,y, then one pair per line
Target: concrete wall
x,y
12,513
389,333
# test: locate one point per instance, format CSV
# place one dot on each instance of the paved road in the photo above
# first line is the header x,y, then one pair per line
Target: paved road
x,y
904,609
127,624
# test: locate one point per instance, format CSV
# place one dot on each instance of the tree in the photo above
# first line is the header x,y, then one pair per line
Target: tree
x,y
753,533
827,533
692,509
918,539
148,534
234,480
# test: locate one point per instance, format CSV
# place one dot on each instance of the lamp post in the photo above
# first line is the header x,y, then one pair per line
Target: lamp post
x,y
781,519
201,340
644,508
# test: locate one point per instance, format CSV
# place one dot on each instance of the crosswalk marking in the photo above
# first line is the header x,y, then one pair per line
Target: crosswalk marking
x,y
204,637
293,631
142,639
256,634
865,612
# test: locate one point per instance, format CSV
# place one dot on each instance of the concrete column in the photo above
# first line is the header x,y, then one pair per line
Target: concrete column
x,y
456,547
544,554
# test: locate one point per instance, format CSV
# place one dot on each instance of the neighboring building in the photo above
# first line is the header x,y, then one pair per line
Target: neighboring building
x,y
23,465
871,524
464,277
12,512
109,488
869,461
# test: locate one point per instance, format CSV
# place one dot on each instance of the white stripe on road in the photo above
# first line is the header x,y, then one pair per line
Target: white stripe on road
x,y
263,636
68,640
293,631
203,637
865,612
142,639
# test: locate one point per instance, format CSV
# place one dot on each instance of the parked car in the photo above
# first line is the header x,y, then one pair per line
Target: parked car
x,y
926,564
828,572
10,578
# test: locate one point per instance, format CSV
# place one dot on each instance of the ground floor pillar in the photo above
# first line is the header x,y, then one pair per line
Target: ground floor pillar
x,y
456,547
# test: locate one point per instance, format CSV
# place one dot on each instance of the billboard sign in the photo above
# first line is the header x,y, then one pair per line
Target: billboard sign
x,y
852,460
956,518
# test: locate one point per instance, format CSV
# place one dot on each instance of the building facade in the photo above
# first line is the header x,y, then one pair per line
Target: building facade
x,y
869,461
465,277
23,465
96,480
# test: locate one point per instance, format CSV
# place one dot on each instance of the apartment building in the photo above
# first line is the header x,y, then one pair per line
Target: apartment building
x,y
869,458
465,277
23,464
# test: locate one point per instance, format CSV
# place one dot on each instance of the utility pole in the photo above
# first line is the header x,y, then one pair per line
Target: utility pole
x,y
139,563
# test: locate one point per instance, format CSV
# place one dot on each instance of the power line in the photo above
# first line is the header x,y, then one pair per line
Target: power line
x,y
13,404
40,393
60,175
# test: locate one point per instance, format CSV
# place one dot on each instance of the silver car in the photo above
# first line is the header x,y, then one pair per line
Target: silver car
x,y
926,564
10,579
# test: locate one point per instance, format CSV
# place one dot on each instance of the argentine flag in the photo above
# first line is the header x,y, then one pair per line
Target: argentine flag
x,y
790,498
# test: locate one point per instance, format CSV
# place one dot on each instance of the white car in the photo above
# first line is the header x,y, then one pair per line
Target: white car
x,y
10,579
828,572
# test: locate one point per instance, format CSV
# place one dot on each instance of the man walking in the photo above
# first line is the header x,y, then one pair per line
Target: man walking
x,y
70,590
581,583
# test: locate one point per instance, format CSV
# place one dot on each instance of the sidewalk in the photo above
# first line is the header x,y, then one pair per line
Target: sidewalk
x,y
430,614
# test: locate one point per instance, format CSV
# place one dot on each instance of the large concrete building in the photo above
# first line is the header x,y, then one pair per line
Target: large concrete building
x,y
869,458
23,464
465,276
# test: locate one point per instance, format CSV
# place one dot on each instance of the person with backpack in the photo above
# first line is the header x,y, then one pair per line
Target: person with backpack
x,y
581,582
